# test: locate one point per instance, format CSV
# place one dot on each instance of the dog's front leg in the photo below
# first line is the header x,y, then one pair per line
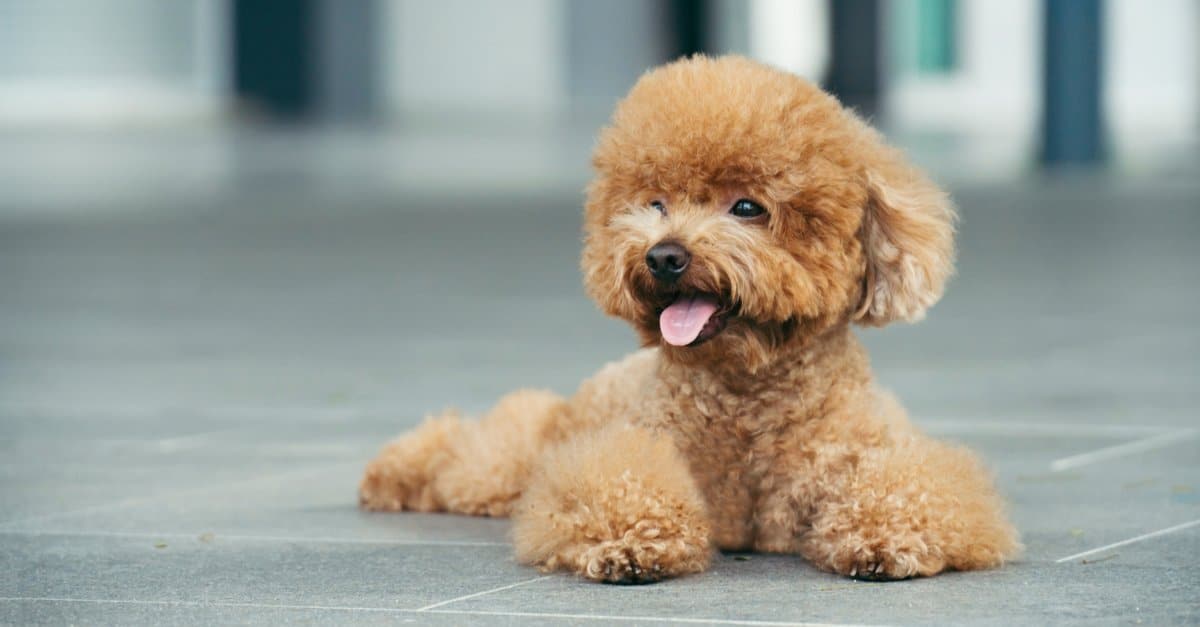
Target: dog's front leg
x,y
914,507
617,505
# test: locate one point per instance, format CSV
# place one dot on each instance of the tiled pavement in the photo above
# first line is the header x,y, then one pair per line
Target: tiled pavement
x,y
192,376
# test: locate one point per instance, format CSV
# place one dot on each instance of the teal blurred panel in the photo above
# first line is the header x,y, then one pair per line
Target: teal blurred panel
x,y
936,36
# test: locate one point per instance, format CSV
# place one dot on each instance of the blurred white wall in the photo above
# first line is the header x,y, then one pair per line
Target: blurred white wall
x,y
1152,78
791,34
111,60
989,102
994,90
468,59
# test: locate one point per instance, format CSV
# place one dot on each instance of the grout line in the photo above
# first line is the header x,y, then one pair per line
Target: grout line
x,y
229,604
485,592
215,411
1036,429
298,448
1121,450
138,500
329,413
163,445
640,619
1144,536
391,610
217,537
177,443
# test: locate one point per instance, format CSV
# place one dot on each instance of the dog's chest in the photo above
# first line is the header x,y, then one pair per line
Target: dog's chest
x,y
726,441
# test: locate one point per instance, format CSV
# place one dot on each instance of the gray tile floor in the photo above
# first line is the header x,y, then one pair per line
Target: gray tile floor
x,y
202,341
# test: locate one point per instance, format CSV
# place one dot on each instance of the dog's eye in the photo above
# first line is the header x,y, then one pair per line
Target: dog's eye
x,y
746,208
657,204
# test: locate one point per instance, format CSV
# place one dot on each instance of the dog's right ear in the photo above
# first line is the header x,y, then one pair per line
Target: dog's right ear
x,y
908,242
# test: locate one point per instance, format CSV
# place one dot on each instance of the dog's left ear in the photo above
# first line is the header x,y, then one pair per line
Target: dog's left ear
x,y
908,241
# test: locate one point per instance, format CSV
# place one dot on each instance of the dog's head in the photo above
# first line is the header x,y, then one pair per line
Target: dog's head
x,y
737,209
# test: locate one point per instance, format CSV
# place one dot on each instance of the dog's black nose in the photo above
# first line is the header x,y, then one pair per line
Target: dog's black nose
x,y
667,261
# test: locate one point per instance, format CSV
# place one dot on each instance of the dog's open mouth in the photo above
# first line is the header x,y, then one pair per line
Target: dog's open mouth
x,y
691,319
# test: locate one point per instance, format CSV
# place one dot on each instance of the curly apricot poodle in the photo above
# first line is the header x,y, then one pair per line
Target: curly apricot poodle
x,y
741,221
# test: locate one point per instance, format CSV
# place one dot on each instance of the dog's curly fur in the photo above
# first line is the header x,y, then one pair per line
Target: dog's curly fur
x,y
770,436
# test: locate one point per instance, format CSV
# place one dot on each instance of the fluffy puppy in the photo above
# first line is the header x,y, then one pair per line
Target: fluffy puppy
x,y
741,221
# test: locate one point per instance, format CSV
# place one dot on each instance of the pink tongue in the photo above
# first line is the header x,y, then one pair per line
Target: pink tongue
x,y
683,320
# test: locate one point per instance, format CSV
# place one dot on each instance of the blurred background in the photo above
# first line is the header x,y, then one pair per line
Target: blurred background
x,y
244,242
508,93
275,203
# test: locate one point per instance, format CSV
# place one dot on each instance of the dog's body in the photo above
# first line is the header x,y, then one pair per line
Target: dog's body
x,y
740,221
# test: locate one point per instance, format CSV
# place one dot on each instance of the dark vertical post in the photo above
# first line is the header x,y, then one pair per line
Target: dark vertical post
x,y
854,69
272,55
1073,116
689,21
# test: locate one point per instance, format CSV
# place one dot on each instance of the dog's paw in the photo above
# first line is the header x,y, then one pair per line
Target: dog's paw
x,y
390,486
380,490
621,561
401,477
882,563
883,566
644,555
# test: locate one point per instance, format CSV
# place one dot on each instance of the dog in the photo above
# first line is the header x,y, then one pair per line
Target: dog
x,y
742,221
